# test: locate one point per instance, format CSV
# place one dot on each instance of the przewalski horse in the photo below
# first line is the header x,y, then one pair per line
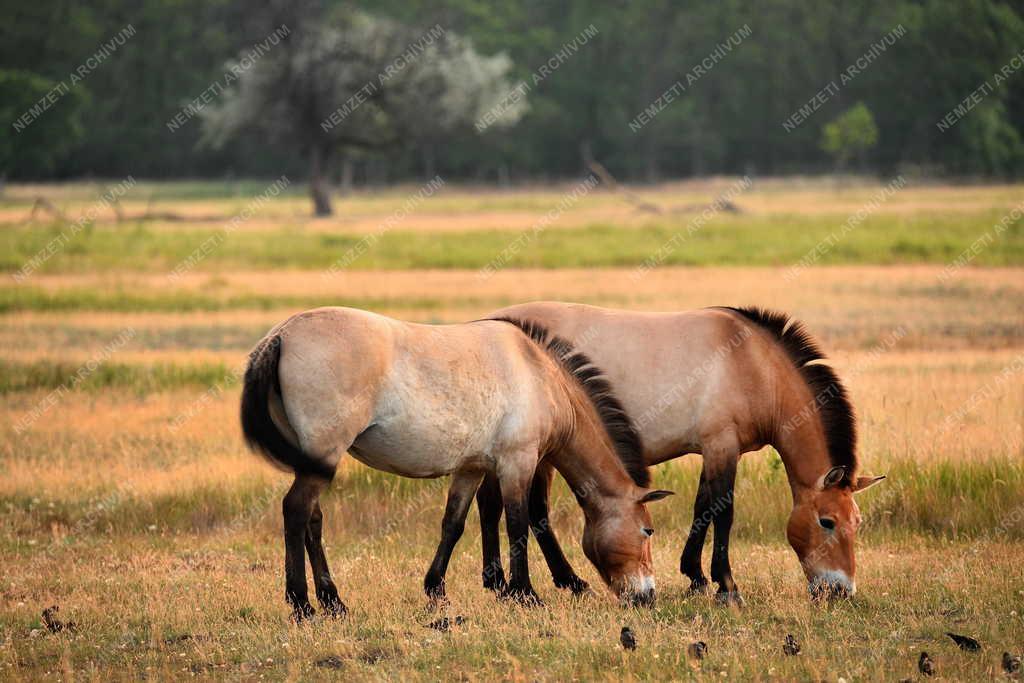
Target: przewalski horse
x,y
720,382
428,401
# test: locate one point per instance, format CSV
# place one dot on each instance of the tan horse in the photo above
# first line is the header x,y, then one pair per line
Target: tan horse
x,y
720,382
459,400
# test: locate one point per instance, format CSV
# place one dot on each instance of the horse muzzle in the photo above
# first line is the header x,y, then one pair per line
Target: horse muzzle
x,y
832,585
640,592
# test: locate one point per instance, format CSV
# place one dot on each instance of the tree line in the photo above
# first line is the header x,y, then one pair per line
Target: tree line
x,y
509,91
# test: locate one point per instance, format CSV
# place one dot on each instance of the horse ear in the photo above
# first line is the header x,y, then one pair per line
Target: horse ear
x,y
866,483
656,494
833,477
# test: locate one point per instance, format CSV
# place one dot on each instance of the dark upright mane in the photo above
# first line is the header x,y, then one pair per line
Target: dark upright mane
x,y
830,396
616,421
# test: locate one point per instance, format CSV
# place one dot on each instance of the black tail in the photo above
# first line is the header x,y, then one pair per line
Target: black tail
x,y
261,433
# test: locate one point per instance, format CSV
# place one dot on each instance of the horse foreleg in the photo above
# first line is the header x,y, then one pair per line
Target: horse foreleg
x,y
460,497
326,591
721,485
297,508
561,571
690,562
488,500
515,493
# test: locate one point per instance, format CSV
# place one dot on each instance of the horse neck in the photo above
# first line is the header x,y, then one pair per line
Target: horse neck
x,y
585,455
800,440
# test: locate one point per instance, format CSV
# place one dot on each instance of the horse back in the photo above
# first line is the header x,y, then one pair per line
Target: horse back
x,y
681,376
417,400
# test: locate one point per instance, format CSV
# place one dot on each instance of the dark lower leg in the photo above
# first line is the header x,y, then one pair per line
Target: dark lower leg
x,y
561,571
488,499
517,521
326,591
460,497
297,509
690,562
722,507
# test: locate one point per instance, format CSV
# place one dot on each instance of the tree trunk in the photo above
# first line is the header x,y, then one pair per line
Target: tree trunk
x,y
318,186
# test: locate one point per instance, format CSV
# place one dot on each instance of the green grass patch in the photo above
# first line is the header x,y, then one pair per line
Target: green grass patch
x,y
143,379
178,301
776,239
18,299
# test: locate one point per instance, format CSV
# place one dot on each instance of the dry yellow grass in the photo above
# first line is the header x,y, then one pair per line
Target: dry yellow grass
x,y
852,307
163,545
137,509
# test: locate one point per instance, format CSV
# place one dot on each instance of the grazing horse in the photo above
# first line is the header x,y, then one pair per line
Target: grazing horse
x,y
427,401
720,382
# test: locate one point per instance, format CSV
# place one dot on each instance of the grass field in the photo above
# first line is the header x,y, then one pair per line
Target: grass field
x,y
129,500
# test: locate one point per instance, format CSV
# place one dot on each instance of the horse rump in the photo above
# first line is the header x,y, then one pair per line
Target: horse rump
x,y
261,434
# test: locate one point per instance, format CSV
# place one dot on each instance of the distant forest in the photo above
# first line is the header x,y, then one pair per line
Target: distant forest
x,y
651,90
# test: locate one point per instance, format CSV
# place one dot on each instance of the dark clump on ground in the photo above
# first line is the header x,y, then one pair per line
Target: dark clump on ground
x,y
445,624
55,625
965,642
332,662
697,650
627,638
925,664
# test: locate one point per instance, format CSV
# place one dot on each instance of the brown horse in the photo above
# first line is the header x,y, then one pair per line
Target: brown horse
x,y
720,382
462,400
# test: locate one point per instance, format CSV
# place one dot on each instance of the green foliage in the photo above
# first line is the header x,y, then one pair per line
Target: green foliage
x,y
41,122
729,120
852,133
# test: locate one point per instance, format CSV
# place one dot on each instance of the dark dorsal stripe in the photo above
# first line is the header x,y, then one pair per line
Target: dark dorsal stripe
x,y
616,421
833,402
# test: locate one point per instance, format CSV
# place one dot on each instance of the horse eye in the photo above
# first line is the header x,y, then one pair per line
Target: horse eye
x,y
827,523
648,531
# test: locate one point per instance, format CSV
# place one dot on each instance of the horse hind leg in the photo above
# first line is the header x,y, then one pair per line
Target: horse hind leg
x,y
460,497
297,508
326,591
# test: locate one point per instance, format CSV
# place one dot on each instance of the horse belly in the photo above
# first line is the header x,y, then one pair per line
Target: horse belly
x,y
412,450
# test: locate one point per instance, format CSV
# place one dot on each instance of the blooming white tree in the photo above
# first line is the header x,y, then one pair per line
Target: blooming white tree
x,y
361,82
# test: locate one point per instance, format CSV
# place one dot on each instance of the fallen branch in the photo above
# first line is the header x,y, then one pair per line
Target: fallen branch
x,y
642,205
46,205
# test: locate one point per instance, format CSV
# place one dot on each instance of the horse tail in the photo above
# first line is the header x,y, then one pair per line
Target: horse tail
x,y
261,434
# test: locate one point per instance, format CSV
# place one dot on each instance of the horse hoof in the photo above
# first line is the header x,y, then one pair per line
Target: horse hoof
x,y
578,586
302,613
335,609
526,597
699,587
437,602
435,592
729,598
495,583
